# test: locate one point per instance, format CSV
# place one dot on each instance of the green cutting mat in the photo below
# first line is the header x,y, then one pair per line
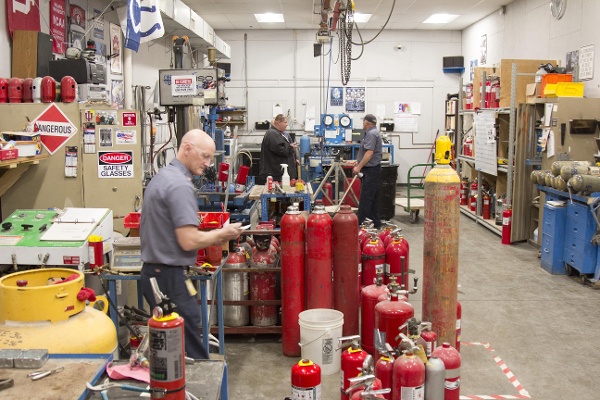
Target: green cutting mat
x,y
16,235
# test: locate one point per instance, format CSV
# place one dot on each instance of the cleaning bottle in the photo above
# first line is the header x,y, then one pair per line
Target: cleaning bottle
x,y
285,179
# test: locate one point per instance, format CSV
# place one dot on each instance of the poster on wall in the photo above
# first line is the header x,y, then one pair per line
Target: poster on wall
x,y
58,24
77,15
115,49
355,99
115,164
22,15
336,97
483,50
117,93
586,63
572,63
98,25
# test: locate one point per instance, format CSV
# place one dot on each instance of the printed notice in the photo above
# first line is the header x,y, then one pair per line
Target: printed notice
x,y
115,164
183,85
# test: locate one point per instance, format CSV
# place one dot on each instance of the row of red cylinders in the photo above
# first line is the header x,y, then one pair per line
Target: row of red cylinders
x,y
38,90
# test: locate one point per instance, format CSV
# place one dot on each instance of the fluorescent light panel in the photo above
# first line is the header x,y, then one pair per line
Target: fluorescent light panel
x,y
269,17
440,19
358,17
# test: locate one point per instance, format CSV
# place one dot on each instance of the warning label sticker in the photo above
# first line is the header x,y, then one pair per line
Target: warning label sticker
x,y
115,164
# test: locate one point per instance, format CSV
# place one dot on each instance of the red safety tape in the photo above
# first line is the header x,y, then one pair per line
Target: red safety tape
x,y
523,394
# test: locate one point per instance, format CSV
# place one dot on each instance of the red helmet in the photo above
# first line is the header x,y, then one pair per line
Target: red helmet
x,y
28,90
15,90
68,89
48,89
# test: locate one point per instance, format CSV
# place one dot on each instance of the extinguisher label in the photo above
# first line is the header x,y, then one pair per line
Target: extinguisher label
x,y
379,268
91,255
505,220
457,324
412,393
166,350
452,385
359,268
386,268
313,393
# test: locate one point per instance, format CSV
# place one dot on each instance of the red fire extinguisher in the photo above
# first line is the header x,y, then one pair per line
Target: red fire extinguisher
x,y
373,259
366,386
167,350
384,368
345,264
352,361
386,231
487,206
473,196
319,259
96,251
451,358
263,285
464,191
369,299
396,260
408,377
506,225
390,316
306,380
429,336
327,193
293,227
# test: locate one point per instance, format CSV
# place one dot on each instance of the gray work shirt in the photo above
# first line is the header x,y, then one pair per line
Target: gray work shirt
x,y
169,202
371,141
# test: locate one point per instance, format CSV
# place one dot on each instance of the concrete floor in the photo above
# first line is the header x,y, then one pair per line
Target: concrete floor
x,y
544,328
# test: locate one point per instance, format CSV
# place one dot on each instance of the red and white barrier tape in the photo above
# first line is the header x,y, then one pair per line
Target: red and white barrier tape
x,y
523,394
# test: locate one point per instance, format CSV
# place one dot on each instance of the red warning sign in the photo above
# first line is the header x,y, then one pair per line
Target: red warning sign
x,y
54,127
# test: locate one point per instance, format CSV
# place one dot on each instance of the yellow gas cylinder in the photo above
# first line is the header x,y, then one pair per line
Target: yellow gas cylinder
x,y
39,309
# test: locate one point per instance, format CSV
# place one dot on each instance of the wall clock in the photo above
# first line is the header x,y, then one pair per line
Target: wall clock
x,y
557,8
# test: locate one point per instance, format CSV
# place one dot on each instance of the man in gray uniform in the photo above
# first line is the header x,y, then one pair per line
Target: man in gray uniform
x,y
170,237
369,163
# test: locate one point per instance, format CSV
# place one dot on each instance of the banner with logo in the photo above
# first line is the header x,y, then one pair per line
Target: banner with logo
x,y
58,25
22,15
140,22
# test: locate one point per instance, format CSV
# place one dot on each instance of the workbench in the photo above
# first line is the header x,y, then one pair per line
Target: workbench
x,y
215,278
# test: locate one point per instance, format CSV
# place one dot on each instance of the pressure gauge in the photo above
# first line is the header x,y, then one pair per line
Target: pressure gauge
x,y
345,121
328,119
558,8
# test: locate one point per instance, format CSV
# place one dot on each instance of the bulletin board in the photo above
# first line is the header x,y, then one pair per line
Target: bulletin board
x,y
485,142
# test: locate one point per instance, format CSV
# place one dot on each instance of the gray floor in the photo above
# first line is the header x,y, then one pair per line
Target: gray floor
x,y
541,327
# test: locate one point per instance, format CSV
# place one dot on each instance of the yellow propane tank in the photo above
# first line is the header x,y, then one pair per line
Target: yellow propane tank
x,y
36,312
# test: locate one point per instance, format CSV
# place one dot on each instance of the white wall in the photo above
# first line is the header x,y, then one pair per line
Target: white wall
x,y
528,30
282,70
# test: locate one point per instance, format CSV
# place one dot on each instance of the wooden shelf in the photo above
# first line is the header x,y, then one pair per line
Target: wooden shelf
x,y
13,169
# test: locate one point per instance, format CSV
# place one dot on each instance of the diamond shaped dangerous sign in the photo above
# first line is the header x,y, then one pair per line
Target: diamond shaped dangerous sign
x,y
54,127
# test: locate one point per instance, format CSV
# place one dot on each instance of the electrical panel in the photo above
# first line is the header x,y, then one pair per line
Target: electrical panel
x,y
192,87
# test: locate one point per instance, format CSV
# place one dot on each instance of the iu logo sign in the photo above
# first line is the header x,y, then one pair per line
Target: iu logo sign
x,y
54,127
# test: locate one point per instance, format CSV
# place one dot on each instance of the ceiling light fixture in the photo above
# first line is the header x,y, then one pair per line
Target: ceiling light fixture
x,y
440,19
269,17
358,17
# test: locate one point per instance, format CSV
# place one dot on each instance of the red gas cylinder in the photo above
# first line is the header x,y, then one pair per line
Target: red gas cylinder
x,y
408,377
486,206
473,196
429,336
319,259
386,231
369,299
464,191
48,89
373,259
351,362
213,255
328,190
68,89
451,358
506,225
458,324
293,227
396,260
384,369
263,285
15,90
306,380
390,315
167,357
345,268
3,90
28,90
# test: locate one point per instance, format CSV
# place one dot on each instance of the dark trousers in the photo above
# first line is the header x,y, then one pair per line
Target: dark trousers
x,y
171,281
369,195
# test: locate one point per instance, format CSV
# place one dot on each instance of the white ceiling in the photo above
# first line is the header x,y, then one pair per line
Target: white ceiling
x,y
304,14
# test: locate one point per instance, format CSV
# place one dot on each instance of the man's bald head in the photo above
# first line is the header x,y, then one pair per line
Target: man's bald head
x,y
196,151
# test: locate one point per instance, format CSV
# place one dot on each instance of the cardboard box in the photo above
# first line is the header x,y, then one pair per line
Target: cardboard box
x,y
9,154
504,71
530,93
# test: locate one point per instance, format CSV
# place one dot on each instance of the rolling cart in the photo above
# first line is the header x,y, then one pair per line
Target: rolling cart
x,y
413,203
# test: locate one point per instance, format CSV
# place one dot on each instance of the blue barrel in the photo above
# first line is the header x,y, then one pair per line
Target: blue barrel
x,y
304,145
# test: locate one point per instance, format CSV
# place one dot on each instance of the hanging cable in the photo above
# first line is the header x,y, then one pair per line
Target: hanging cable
x,y
362,43
346,23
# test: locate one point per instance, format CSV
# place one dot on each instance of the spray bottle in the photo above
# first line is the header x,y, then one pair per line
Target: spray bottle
x,y
285,179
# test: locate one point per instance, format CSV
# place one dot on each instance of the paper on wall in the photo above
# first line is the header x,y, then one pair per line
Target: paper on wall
x,y
406,123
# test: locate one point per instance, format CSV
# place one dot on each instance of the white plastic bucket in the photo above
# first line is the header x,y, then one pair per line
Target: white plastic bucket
x,y
320,329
